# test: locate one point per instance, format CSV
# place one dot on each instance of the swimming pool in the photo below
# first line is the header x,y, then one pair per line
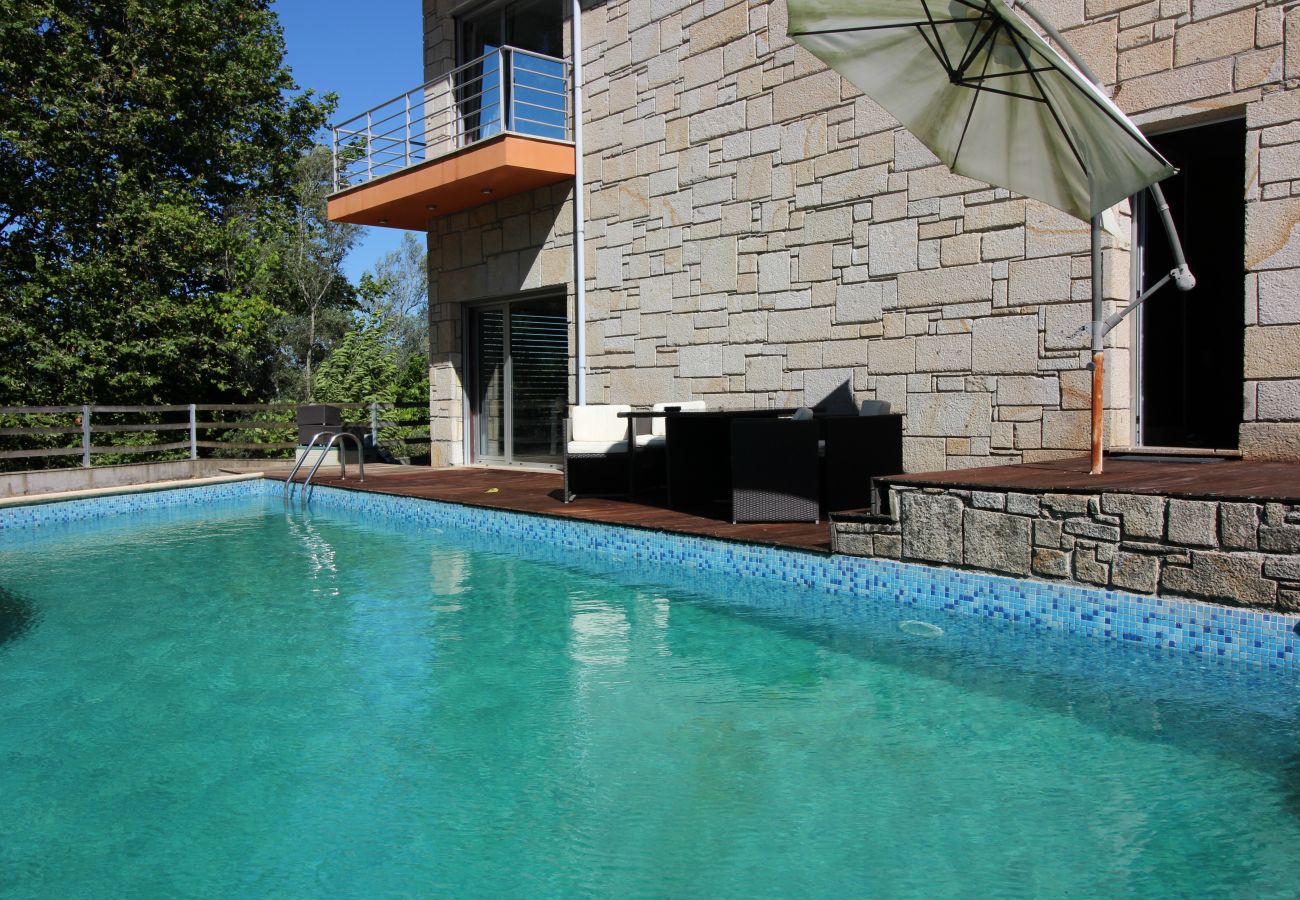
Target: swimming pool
x,y
236,699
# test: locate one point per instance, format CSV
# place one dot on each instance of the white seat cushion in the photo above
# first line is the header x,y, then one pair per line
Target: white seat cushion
x,y
659,426
598,422
874,408
802,414
651,440
596,448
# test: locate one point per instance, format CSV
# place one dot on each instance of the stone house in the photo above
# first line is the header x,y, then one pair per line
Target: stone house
x,y
752,231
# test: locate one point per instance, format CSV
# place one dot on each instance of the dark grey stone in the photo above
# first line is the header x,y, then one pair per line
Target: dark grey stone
x,y
1280,539
1135,572
988,500
1087,568
1142,516
1239,526
997,541
889,546
1024,504
1090,529
1193,523
1232,578
1066,504
932,528
1284,568
1047,533
1051,563
1288,600
854,544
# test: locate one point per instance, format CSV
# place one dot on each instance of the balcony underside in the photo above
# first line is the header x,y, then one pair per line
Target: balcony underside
x,y
484,173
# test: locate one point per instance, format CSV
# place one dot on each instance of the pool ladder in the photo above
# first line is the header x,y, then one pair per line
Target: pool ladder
x,y
325,449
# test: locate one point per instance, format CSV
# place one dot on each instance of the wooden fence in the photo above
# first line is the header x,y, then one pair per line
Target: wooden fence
x,y
47,432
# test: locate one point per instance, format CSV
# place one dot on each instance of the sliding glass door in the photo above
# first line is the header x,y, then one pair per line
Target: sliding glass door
x,y
520,375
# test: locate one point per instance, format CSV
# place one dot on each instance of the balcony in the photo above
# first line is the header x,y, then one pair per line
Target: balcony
x,y
499,125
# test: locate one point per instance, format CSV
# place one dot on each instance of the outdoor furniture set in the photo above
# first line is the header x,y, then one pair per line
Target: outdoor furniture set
x,y
757,465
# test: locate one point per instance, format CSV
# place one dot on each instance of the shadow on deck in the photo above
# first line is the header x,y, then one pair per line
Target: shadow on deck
x,y
541,492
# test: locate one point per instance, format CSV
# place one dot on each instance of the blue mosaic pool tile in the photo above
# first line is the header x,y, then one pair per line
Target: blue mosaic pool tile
x,y
1215,632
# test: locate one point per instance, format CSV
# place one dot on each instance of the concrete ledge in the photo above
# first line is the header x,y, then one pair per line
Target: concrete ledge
x,y
46,481
145,487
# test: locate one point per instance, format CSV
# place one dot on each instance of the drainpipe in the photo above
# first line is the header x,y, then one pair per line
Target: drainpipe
x,y
579,216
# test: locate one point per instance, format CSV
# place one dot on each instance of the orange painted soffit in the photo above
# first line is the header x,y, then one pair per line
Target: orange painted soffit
x,y
504,165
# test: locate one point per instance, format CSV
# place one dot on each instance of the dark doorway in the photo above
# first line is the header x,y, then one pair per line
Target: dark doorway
x,y
1190,345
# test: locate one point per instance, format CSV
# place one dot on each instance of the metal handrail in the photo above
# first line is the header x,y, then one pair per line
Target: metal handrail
x,y
288,482
343,464
470,103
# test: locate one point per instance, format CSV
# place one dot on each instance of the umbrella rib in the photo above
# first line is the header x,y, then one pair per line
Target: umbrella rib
x,y
857,28
1069,140
973,48
943,51
970,113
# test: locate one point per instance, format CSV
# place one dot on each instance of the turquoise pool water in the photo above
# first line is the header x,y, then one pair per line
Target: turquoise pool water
x,y
247,701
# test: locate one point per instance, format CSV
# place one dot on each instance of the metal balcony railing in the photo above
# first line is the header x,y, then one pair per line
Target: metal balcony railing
x,y
506,91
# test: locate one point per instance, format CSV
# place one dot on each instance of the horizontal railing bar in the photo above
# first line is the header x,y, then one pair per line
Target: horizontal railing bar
x,y
37,410
53,451
238,445
131,409
240,426
122,429
141,448
15,432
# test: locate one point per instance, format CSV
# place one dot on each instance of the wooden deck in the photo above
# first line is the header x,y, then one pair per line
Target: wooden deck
x,y
1218,479
539,492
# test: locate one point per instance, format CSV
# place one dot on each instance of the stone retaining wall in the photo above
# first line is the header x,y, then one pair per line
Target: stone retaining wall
x,y
1234,552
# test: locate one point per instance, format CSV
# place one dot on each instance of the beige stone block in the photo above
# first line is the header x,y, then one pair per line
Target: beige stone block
x,y
1006,243
1281,163
1096,44
943,353
815,262
892,356
958,284
1036,281
939,181
754,178
854,185
923,454
720,28
960,250
987,216
949,415
1183,85
861,302
718,265
1257,68
1279,297
1213,38
1273,351
910,153
1066,429
811,324
1005,344
1050,232
1146,59
1270,440
1067,327
795,99
1271,239
891,247
763,373
1094,9
1291,40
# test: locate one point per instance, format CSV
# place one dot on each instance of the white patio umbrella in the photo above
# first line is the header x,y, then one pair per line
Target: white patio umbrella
x,y
994,101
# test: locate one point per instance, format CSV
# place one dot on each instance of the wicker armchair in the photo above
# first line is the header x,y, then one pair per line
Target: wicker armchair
x,y
595,451
774,470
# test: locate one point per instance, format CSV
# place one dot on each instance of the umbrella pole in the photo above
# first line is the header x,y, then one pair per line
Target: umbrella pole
x,y
1098,334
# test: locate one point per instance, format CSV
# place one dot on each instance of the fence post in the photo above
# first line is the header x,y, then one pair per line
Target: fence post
x,y
85,436
194,431
374,424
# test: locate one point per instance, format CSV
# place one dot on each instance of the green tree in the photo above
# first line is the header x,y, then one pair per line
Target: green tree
x,y
313,252
362,368
396,290
147,163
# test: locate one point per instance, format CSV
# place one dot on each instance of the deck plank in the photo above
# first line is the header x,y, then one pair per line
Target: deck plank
x,y
1224,479
541,492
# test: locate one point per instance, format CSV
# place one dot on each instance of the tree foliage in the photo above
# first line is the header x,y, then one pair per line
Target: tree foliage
x,y
148,153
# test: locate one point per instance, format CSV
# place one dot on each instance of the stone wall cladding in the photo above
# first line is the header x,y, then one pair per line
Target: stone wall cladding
x,y
1231,552
760,233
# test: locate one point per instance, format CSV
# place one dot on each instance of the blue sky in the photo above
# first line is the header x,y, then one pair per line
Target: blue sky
x,y
366,53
